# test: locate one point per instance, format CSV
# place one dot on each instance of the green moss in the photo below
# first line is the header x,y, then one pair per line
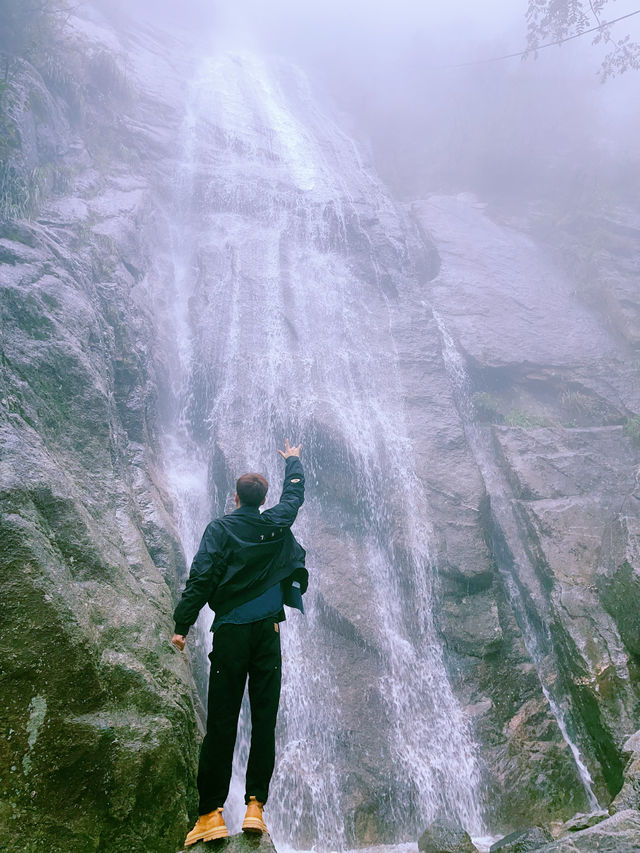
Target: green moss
x,y
22,189
582,409
486,407
24,311
524,420
632,428
621,599
17,234
95,769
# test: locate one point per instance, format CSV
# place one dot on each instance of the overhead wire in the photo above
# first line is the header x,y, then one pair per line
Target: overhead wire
x,y
601,26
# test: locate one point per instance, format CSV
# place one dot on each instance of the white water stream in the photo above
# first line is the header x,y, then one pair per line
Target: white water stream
x,y
283,243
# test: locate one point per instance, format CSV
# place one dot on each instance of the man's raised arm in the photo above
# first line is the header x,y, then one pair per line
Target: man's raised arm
x,y
285,511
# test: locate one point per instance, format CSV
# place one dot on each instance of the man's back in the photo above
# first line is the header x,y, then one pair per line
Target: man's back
x,y
245,552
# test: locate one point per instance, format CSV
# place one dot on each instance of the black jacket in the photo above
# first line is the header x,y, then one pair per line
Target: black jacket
x,y
244,553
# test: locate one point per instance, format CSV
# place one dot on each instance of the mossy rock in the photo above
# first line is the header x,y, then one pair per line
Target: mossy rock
x,y
241,843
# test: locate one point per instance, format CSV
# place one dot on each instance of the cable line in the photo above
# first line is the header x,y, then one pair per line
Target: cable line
x,y
542,46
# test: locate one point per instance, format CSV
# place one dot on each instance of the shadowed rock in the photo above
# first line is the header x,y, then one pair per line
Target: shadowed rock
x,y
582,821
522,842
629,795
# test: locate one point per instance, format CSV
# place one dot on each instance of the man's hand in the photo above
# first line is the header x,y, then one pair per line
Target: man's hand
x,y
290,451
179,641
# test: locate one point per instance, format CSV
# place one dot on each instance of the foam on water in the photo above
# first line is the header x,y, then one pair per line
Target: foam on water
x,y
482,844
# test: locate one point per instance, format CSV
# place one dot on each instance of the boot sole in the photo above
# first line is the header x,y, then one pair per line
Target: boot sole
x,y
254,825
221,832
216,833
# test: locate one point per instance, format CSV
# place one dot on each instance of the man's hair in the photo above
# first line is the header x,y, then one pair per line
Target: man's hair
x,y
251,489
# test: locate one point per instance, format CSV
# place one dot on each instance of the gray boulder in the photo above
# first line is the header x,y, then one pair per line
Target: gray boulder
x,y
444,837
582,821
522,841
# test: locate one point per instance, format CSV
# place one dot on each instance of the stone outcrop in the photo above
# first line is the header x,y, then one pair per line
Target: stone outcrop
x,y
629,795
99,730
522,842
442,836
581,821
584,834
241,843
545,495
618,834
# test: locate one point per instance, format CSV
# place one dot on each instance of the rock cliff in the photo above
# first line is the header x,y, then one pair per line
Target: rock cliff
x,y
538,465
485,392
99,730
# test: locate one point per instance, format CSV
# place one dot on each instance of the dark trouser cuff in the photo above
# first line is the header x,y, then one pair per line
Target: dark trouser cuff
x,y
205,808
258,797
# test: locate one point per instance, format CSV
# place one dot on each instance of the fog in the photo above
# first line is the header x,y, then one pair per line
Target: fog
x,y
508,126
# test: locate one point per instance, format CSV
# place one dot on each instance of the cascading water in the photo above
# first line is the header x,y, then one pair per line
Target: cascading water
x,y
515,564
290,247
185,465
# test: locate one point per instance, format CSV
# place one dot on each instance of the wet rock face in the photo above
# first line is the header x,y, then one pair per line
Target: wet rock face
x,y
445,837
629,795
522,842
618,834
241,843
472,625
97,711
547,464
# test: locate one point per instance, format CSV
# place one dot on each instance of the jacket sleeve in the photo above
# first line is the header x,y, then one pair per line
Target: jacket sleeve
x,y
285,511
206,570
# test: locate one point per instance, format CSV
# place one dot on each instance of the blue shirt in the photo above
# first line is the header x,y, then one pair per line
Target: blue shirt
x,y
267,605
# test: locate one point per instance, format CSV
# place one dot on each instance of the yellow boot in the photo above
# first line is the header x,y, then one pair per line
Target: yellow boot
x,y
208,827
253,820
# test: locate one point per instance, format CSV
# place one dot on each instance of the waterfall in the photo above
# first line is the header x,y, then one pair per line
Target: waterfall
x,y
515,563
185,463
286,251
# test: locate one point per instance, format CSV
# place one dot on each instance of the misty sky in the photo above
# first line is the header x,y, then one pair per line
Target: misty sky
x,y
379,35
365,23
386,63
369,26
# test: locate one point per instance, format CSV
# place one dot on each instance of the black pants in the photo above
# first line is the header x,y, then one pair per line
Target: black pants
x,y
239,651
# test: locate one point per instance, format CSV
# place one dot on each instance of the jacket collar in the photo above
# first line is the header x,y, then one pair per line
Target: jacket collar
x,y
246,510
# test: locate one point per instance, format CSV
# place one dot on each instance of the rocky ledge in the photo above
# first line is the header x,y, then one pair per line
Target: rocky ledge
x,y
240,843
617,834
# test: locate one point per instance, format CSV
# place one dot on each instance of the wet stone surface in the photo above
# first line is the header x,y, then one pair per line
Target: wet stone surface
x,y
240,843
522,842
618,834
445,837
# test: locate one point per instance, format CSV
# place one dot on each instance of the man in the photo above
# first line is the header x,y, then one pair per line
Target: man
x,y
247,567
